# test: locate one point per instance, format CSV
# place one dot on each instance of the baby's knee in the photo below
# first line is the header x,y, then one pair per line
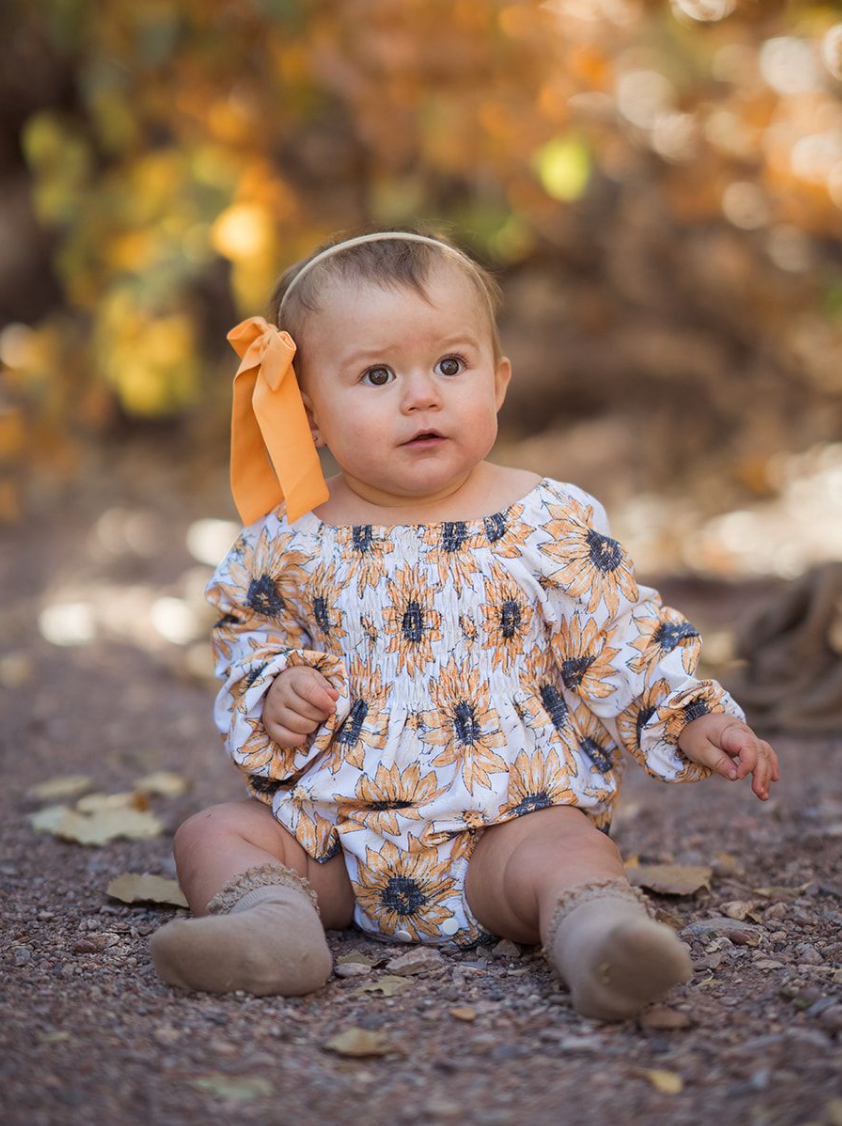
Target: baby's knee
x,y
197,830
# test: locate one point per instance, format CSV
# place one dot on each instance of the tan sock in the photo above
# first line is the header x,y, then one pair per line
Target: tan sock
x,y
613,956
262,934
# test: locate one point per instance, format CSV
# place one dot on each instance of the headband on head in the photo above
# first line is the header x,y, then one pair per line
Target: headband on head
x,y
269,414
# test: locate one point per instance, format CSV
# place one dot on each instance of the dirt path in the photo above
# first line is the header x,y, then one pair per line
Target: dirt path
x,y
88,1033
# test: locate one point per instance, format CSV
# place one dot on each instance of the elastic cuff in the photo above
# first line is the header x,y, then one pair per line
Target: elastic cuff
x,y
573,897
264,875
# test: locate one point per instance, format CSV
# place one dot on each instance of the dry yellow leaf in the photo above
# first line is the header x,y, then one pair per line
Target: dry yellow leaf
x,y
463,1012
65,786
667,1082
358,1042
162,783
94,803
132,887
95,828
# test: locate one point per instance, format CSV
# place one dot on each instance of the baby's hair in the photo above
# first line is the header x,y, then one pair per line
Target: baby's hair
x,y
397,262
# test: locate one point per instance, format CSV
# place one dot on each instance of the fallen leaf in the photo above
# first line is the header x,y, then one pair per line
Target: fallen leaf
x,y
132,887
671,879
463,1012
65,786
667,1082
93,803
96,828
360,959
358,1042
55,1037
388,985
163,783
776,892
662,1016
238,1088
16,669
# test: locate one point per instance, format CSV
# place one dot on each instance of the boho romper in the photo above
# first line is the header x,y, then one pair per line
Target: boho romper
x,y
485,669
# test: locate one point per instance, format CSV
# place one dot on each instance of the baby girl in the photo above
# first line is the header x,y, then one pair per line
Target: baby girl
x,y
432,663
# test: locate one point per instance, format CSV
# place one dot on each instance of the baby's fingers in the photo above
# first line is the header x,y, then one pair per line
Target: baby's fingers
x,y
754,756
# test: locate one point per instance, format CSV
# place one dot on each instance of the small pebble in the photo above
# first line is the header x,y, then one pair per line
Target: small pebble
x,y
22,955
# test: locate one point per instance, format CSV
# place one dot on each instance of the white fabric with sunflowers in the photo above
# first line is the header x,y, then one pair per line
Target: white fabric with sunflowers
x,y
486,668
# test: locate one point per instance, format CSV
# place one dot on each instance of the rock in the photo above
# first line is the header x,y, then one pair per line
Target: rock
x,y
808,955
415,961
505,948
351,969
830,1019
22,955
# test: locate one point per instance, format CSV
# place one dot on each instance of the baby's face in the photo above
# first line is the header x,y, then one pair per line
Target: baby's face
x,y
405,393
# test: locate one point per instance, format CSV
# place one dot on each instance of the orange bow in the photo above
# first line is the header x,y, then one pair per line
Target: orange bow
x,y
268,409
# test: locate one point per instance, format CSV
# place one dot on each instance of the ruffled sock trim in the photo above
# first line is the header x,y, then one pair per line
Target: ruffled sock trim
x,y
573,897
262,875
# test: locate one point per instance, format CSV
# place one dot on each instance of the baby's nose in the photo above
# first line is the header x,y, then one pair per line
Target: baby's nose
x,y
421,390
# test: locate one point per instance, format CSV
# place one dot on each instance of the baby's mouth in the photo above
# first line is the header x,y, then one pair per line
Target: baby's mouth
x,y
425,438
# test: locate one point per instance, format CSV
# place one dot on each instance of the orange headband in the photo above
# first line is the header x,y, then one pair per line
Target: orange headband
x,y
268,408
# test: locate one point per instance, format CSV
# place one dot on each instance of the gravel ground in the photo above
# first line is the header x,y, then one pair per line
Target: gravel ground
x,y
88,1032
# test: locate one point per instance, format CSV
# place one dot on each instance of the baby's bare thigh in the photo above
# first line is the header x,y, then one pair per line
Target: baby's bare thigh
x,y
242,830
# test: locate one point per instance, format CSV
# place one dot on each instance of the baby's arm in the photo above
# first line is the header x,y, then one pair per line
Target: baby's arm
x,y
260,639
716,740
632,661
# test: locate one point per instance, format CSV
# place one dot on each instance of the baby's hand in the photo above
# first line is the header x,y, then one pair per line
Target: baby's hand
x,y
298,700
714,740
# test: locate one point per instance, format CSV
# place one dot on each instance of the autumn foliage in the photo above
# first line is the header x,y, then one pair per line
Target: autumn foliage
x,y
164,160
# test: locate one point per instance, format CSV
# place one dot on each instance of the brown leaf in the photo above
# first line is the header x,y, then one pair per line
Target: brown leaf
x,y
94,803
388,985
670,879
777,892
662,1016
358,1042
234,1088
135,888
463,1012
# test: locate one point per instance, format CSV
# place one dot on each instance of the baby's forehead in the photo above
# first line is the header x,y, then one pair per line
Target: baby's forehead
x,y
446,287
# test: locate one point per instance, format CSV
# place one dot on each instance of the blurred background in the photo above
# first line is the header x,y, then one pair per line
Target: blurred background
x,y
657,183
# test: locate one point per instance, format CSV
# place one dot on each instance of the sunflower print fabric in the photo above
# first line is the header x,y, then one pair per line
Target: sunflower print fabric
x,y
485,669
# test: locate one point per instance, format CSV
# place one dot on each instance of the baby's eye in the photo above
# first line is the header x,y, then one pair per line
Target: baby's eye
x,y
377,377
450,365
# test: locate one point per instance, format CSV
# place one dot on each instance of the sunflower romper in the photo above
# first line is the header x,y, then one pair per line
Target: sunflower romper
x,y
485,669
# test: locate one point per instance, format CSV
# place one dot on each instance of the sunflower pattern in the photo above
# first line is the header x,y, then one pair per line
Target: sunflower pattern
x,y
465,725
411,621
485,669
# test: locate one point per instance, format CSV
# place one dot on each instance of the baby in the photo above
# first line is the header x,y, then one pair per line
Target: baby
x,y
431,663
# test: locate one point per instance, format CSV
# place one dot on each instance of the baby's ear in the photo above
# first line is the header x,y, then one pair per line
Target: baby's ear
x,y
501,379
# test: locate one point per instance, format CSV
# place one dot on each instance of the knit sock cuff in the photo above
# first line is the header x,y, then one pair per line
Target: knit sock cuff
x,y
264,875
573,897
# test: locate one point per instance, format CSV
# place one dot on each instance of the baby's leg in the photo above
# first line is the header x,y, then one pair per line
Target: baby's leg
x,y
256,895
551,877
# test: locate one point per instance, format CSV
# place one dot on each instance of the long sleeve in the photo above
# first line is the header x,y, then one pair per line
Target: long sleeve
x,y
627,657
258,590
